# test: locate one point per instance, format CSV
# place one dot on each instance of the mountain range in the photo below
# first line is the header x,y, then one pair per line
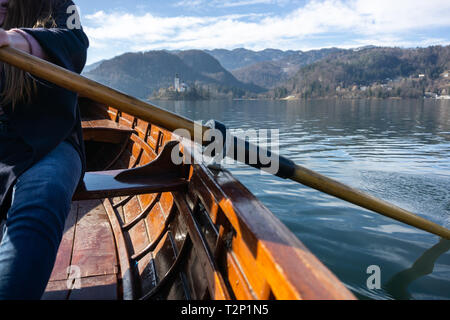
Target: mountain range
x,y
240,58
280,67
275,73
142,74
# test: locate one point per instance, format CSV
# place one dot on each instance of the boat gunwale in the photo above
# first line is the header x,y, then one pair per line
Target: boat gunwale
x,y
271,241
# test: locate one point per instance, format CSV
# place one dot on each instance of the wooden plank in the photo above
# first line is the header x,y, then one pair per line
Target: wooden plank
x,y
131,209
196,276
170,286
216,284
94,249
243,266
147,273
136,154
147,199
137,234
155,141
141,215
237,280
56,290
149,153
146,158
126,272
85,124
155,222
105,135
105,131
105,124
112,113
155,240
166,202
96,288
126,120
142,127
64,257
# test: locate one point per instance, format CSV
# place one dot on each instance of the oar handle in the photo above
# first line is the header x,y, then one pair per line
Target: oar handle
x,y
171,121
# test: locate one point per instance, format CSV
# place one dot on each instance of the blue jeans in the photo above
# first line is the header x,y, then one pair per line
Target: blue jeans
x,y
34,227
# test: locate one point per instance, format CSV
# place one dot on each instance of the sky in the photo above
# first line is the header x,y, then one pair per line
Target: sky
x,y
115,27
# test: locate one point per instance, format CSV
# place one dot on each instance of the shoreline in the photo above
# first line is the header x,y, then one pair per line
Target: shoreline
x,y
295,98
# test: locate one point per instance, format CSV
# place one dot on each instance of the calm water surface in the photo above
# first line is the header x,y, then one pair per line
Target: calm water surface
x,y
396,150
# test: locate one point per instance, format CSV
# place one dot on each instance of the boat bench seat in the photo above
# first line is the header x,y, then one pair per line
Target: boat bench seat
x,y
103,184
160,175
106,131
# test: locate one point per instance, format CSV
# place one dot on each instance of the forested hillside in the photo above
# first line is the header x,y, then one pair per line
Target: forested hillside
x,y
374,72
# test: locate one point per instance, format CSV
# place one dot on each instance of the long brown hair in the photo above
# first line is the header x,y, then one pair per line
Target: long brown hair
x,y
19,86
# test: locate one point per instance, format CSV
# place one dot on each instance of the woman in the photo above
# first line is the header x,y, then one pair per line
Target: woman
x,y
41,145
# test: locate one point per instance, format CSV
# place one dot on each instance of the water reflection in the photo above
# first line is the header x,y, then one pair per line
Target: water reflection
x,y
398,285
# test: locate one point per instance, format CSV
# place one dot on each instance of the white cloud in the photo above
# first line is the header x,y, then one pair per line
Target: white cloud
x,y
229,4
189,3
381,22
240,3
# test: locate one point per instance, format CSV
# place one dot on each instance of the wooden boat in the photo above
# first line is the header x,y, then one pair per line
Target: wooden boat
x,y
144,228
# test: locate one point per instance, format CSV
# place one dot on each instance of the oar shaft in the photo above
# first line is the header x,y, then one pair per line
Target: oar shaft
x,y
145,111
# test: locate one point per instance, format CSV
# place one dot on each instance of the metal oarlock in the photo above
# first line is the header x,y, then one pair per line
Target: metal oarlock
x,y
217,157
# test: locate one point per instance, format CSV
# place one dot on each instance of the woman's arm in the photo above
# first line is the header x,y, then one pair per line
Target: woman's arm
x,y
19,39
64,46
61,45
8,38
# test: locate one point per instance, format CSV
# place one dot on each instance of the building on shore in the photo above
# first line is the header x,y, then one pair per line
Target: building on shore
x,y
178,85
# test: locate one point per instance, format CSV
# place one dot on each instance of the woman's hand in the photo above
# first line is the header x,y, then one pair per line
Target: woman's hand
x,y
18,39
5,39
15,39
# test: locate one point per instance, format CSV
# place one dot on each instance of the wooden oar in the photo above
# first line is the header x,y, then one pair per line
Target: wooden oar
x,y
170,121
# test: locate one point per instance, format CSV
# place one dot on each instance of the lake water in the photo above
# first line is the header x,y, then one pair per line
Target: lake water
x,y
398,151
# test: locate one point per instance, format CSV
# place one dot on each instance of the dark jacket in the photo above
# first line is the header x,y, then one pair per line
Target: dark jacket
x,y
53,117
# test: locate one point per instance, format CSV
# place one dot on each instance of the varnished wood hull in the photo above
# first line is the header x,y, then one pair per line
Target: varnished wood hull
x,y
209,238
